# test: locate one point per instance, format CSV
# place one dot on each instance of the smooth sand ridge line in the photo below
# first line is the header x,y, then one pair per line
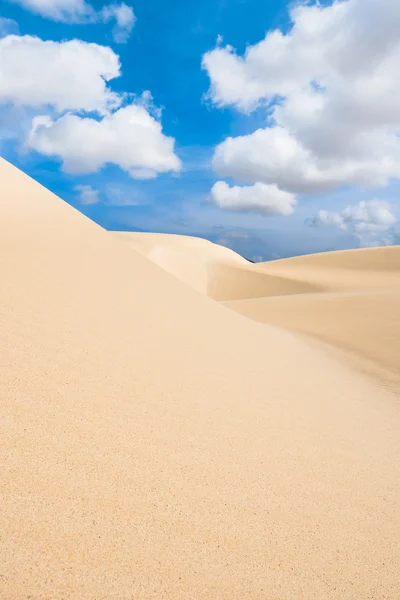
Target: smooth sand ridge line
x,y
349,299
384,258
223,275
213,270
186,257
343,270
158,445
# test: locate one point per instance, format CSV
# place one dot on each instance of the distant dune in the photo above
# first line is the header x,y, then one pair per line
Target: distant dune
x,y
156,444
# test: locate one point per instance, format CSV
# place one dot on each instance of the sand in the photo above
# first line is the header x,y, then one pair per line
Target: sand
x,y
350,300
188,258
156,444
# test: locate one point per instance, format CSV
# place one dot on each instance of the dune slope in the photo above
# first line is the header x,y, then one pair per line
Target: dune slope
x,y
158,445
343,270
365,324
356,309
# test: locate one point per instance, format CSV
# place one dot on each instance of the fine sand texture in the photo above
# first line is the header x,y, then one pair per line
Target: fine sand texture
x,y
156,444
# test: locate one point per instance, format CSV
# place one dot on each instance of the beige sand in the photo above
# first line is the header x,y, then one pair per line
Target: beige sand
x,y
349,299
357,309
188,258
366,324
343,270
211,269
157,445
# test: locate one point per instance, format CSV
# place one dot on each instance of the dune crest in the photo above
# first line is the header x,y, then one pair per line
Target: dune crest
x,y
157,445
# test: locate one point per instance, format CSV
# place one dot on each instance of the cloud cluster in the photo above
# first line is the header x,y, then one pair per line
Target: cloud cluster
x,y
129,137
124,20
80,11
66,11
79,119
331,92
267,199
69,75
366,220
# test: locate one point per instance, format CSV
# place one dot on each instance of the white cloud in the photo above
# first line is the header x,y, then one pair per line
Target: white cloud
x,y
87,195
266,199
274,156
329,219
130,138
7,27
67,11
333,92
124,18
80,11
365,220
280,64
64,75
62,84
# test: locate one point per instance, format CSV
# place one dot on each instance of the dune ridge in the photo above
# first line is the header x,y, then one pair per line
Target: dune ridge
x,y
157,445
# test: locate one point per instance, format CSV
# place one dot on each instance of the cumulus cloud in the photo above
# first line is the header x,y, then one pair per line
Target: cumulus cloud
x,y
67,11
80,11
366,220
64,75
130,138
87,195
333,96
65,85
124,20
274,156
266,199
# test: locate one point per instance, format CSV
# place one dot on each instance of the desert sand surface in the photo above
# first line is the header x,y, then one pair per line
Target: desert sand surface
x,y
156,444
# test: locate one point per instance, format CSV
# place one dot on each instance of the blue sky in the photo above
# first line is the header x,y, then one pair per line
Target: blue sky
x,y
202,107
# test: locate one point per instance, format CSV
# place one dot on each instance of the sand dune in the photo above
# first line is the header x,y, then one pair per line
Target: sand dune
x,y
386,258
157,445
222,274
347,299
211,269
342,270
188,258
